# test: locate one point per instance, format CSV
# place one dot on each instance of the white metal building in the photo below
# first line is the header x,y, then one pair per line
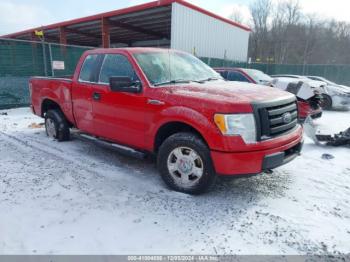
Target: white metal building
x,y
192,30
164,23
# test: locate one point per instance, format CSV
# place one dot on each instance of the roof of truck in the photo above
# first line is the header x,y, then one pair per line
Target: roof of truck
x,y
131,50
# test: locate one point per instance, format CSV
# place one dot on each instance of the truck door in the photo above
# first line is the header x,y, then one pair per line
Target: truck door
x,y
118,116
82,93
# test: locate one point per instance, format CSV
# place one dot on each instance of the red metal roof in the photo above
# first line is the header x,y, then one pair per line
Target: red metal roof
x,y
127,10
147,24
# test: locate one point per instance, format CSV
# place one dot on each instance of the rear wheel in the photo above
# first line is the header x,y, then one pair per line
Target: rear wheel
x,y
185,164
326,102
56,125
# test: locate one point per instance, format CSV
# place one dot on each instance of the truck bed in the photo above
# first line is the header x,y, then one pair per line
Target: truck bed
x,y
65,77
58,89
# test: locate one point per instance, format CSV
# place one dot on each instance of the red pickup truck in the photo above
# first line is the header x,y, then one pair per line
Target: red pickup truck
x,y
170,104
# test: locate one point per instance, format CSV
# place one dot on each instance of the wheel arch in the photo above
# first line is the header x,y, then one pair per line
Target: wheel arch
x,y
49,104
172,127
329,99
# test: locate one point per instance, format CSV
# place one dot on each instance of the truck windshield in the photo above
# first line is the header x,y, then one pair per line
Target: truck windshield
x,y
171,67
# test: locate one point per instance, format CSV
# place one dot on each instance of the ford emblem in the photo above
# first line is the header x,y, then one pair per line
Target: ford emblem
x,y
287,118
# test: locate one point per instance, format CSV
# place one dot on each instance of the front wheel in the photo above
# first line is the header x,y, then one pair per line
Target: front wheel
x,y
56,125
326,102
185,164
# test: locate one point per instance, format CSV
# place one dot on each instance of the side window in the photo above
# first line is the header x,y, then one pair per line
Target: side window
x,y
236,76
88,68
116,65
223,74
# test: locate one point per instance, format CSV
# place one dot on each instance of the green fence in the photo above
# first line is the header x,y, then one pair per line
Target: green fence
x,y
336,73
19,60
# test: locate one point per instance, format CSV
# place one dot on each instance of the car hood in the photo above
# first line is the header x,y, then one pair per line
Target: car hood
x,y
347,88
225,94
283,82
340,88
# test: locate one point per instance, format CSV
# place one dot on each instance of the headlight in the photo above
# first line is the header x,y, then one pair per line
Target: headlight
x,y
237,125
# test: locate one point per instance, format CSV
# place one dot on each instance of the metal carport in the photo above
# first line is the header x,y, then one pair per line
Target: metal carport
x,y
149,24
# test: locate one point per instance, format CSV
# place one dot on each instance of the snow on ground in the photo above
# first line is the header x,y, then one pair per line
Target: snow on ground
x,y
81,198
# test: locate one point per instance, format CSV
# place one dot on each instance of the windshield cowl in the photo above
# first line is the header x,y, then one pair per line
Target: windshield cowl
x,y
182,81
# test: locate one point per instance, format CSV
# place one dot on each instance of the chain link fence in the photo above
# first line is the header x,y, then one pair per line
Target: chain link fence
x,y
19,60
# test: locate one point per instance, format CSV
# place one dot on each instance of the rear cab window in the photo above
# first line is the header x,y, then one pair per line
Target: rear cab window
x,y
89,68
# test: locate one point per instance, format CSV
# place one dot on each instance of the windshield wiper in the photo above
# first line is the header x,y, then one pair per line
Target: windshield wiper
x,y
176,81
209,79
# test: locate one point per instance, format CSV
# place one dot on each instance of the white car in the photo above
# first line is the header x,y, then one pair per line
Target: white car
x,y
334,96
330,83
308,96
319,78
317,86
305,92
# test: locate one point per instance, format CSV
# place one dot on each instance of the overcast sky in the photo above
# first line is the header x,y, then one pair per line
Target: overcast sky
x,y
16,15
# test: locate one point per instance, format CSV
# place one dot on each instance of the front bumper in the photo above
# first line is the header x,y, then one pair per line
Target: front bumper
x,y
315,115
255,162
281,158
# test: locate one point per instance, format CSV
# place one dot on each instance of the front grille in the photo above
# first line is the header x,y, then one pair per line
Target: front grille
x,y
276,118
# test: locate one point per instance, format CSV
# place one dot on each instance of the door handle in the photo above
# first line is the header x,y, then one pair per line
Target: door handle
x,y
155,102
96,96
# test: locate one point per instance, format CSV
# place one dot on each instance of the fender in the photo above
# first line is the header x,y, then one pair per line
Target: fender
x,y
187,116
61,95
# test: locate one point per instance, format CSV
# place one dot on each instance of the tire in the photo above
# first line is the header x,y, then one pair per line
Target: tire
x,y
185,164
56,125
326,102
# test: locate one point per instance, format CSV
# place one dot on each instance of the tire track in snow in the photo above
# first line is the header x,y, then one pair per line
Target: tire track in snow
x,y
110,171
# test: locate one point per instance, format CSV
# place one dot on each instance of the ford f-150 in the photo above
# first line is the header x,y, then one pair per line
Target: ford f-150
x,y
170,104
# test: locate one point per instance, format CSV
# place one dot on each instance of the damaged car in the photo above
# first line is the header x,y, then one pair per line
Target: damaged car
x,y
309,98
334,96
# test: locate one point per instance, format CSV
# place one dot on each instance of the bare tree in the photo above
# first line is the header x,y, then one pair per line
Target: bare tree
x,y
290,17
260,11
282,32
293,11
236,15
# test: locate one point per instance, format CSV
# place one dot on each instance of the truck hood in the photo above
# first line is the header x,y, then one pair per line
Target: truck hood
x,y
225,95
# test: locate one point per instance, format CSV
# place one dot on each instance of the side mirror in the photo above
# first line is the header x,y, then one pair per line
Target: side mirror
x,y
124,84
